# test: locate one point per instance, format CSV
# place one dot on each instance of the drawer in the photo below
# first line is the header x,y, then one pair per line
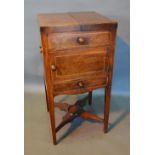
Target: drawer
x,y
79,85
59,41
81,62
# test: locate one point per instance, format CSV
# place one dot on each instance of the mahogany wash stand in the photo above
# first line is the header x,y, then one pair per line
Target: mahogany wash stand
x,y
78,56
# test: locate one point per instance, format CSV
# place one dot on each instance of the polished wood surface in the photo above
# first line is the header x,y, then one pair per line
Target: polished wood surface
x,y
78,86
79,21
72,18
78,56
66,40
79,63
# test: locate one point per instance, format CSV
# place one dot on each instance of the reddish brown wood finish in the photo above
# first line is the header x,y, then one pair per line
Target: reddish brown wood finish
x,y
78,54
70,40
78,86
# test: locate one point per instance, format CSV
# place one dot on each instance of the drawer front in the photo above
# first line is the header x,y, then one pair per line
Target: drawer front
x,y
59,41
86,62
79,86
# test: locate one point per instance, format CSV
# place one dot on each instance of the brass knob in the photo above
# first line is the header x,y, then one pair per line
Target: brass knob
x,y
81,84
53,67
81,40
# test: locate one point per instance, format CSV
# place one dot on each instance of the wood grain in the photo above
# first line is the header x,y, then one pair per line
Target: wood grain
x,y
74,21
79,63
78,56
72,18
72,86
61,41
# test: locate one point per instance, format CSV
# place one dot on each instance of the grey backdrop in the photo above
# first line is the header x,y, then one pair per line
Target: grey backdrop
x,y
116,9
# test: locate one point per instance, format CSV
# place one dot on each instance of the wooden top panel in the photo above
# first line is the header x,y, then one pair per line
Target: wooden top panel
x,y
56,19
72,19
84,18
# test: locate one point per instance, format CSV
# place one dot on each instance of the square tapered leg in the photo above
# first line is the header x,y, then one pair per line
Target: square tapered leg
x,y
107,107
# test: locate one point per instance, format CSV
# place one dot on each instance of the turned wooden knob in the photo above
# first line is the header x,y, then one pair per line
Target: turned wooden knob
x,y
53,67
81,40
81,84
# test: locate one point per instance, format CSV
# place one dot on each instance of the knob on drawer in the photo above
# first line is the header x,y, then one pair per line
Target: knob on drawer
x,y
81,40
53,67
81,84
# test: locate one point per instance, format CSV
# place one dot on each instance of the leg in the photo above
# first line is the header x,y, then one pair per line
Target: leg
x,y
46,97
107,107
90,98
52,118
50,109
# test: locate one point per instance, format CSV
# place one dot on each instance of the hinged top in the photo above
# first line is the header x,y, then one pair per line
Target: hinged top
x,y
73,19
